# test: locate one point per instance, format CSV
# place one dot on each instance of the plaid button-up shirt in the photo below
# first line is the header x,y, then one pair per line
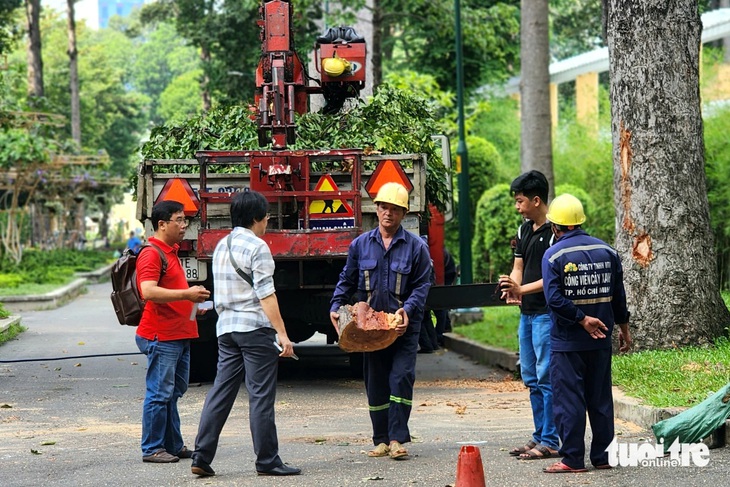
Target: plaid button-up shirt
x,y
238,305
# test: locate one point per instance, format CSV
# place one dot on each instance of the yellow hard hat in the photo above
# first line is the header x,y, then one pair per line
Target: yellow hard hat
x,y
393,193
335,66
566,210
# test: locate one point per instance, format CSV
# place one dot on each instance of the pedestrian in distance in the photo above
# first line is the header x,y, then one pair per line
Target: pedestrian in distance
x,y
524,286
134,242
164,332
249,322
390,268
584,289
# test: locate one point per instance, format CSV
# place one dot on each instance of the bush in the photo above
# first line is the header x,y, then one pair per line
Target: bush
x,y
50,266
9,281
496,225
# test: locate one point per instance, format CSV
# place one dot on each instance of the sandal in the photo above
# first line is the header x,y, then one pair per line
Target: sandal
x,y
519,451
381,450
540,452
397,451
560,467
603,467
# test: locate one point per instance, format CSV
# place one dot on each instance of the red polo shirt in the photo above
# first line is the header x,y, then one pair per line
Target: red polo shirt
x,y
164,321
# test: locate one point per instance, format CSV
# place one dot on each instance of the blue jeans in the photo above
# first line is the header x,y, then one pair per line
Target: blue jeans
x,y
168,368
534,334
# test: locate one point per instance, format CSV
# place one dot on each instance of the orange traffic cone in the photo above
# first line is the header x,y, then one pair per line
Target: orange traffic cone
x,y
469,470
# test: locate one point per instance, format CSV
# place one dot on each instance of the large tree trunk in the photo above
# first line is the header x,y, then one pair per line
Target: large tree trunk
x,y
74,75
662,225
35,61
205,82
536,150
376,48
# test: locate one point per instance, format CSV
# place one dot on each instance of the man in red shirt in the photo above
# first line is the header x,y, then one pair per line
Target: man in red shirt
x,y
164,334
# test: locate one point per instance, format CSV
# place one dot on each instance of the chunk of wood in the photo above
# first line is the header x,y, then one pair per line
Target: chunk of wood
x,y
364,330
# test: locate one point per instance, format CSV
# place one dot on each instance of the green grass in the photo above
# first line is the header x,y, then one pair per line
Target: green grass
x,y
497,329
666,378
11,332
29,289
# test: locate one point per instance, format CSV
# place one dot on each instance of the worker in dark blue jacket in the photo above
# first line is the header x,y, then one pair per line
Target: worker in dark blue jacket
x,y
584,290
389,268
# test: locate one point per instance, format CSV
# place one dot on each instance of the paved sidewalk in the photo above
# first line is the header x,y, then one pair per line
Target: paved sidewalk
x,y
626,408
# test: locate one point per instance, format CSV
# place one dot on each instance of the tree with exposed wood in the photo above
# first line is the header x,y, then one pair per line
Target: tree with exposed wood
x,y
662,227
536,148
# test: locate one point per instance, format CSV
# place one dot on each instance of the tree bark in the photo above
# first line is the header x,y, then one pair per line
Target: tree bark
x,y
205,82
74,75
662,226
35,60
376,49
536,150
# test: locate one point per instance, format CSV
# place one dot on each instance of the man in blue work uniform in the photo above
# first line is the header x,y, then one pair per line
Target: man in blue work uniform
x,y
390,268
584,290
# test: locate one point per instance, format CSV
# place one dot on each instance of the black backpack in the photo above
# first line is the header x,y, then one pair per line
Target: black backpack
x,y
128,305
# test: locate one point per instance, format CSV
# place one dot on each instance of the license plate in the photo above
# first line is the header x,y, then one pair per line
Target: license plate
x,y
195,270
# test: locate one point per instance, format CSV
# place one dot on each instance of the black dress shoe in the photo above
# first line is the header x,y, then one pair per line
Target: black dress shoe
x,y
281,470
201,468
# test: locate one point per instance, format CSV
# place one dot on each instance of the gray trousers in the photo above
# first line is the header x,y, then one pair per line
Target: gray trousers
x,y
252,355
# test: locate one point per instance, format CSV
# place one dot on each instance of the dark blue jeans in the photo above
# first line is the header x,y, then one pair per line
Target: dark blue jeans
x,y
168,369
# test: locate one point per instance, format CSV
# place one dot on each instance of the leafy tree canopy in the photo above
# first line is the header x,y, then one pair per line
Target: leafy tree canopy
x,y
392,122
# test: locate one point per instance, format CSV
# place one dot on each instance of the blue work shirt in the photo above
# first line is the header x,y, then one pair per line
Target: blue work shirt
x,y
582,275
398,277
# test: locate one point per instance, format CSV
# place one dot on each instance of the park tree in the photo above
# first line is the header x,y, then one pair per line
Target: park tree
x,y
73,73
34,49
8,30
226,35
536,150
419,34
662,227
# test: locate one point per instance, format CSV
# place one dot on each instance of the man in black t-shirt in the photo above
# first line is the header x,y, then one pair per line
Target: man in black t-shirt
x,y
524,287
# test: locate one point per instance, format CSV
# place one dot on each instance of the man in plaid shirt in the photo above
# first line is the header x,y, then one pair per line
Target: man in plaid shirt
x,y
248,323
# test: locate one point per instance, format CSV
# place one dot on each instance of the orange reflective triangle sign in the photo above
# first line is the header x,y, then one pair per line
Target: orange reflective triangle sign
x,y
332,207
388,171
179,190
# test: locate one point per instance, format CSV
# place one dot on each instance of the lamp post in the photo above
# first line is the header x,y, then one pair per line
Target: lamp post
x,y
462,161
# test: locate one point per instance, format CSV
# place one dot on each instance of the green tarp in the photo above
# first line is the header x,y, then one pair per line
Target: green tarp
x,y
696,423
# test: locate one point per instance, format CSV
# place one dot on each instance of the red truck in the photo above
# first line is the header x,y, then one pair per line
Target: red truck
x,y
320,199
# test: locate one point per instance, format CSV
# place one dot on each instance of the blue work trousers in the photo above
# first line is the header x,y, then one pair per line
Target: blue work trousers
x,y
582,382
389,377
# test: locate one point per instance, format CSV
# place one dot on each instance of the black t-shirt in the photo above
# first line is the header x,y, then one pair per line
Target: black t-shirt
x,y
531,246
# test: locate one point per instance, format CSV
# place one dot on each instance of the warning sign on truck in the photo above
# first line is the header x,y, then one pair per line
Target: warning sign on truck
x,y
329,208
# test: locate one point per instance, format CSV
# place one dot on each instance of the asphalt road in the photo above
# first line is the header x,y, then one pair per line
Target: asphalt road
x,y
76,421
